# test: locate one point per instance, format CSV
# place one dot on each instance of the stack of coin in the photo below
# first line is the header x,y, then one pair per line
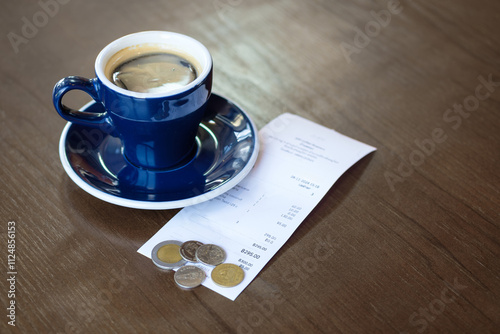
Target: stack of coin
x,y
173,255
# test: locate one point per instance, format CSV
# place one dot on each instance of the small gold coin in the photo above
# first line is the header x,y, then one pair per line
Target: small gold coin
x,y
227,275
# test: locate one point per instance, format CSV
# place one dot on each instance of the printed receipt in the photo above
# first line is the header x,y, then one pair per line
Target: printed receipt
x,y
298,162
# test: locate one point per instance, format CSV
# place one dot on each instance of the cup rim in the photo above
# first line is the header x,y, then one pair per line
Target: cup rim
x,y
124,42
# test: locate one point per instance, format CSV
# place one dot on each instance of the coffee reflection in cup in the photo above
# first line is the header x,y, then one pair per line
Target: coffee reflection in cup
x,y
151,69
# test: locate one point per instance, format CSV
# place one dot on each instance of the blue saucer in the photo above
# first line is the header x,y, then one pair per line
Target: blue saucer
x,y
226,150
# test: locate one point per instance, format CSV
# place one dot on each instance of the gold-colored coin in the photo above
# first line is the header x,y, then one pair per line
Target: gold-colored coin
x,y
169,253
166,255
227,275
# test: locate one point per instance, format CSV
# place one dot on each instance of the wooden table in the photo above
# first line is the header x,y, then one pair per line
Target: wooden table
x,y
414,228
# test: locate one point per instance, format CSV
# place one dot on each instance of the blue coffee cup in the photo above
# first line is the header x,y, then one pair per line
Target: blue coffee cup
x,y
157,130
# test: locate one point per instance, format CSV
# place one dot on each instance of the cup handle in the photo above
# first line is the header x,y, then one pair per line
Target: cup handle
x,y
99,119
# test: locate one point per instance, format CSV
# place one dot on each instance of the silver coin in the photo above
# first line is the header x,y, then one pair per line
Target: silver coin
x,y
210,254
188,250
189,277
166,255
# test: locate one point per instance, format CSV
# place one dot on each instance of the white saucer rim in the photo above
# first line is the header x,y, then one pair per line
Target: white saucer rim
x,y
162,205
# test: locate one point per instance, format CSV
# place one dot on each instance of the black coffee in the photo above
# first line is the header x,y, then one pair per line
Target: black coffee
x,y
154,73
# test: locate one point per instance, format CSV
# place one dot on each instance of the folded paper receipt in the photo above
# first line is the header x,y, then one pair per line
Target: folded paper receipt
x,y
298,163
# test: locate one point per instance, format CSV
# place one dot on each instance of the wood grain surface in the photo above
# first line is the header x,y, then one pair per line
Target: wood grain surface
x,y
413,229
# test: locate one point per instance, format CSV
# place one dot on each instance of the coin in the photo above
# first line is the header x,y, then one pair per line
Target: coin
x,y
210,254
227,275
166,255
188,250
189,277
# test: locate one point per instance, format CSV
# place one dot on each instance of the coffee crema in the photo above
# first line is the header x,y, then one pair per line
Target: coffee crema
x,y
151,69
